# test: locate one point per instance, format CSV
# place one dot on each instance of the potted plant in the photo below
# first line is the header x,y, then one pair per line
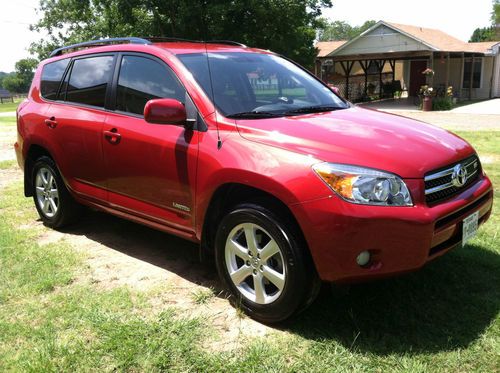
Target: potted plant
x,y
427,93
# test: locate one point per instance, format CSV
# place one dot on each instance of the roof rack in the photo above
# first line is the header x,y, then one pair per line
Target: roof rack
x,y
160,39
228,42
98,43
134,40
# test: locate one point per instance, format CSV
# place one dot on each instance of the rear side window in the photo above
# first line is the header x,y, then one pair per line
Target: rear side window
x,y
52,74
89,80
142,79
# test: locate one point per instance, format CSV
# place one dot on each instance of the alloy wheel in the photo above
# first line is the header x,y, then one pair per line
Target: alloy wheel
x,y
255,263
47,194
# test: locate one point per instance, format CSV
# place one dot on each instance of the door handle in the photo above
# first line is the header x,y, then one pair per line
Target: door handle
x,y
112,136
51,122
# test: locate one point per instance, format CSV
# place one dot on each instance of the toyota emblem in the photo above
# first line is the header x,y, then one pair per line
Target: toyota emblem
x,y
459,175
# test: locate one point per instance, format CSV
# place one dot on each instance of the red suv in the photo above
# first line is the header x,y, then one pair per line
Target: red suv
x,y
249,155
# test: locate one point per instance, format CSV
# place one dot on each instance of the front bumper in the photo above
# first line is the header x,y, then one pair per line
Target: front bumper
x,y
400,239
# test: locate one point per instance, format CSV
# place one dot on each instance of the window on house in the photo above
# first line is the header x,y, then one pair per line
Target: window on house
x,y
476,73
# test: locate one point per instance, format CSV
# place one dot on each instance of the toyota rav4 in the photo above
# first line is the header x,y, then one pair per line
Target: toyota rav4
x,y
249,155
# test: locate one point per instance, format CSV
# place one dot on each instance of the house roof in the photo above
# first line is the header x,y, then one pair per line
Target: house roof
x,y
433,38
327,47
441,40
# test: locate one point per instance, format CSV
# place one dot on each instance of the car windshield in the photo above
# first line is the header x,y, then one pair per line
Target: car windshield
x,y
257,85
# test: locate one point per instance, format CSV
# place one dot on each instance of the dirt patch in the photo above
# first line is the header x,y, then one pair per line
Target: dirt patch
x,y
122,253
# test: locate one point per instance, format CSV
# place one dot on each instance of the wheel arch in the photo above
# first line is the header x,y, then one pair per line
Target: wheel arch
x,y
230,194
34,152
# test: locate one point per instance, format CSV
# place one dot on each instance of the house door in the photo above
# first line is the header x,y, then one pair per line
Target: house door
x,y
417,79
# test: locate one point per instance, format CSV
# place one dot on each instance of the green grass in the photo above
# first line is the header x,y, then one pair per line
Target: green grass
x,y
9,106
444,318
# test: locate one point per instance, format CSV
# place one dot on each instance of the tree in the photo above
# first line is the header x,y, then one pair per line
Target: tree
x,y
483,34
20,80
340,30
495,18
491,33
285,26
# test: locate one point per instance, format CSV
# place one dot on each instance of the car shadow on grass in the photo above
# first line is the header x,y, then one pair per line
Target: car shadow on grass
x,y
160,249
446,305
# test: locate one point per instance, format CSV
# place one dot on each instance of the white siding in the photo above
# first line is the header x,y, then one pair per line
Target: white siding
x,y
382,40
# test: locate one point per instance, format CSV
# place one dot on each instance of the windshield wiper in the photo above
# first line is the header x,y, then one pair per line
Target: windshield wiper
x,y
314,109
254,115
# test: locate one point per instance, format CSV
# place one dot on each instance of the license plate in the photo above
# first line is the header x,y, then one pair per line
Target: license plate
x,y
469,227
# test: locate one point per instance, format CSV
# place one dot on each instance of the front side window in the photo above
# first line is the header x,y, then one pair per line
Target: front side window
x,y
51,78
89,80
476,73
256,85
142,79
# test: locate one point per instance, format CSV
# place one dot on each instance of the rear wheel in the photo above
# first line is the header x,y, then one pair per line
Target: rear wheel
x,y
53,202
263,263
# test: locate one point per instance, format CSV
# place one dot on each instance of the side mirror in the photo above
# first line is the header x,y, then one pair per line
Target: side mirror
x,y
165,111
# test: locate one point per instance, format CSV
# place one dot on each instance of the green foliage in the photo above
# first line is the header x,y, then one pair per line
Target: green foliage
x,y
442,103
483,34
20,80
284,26
340,30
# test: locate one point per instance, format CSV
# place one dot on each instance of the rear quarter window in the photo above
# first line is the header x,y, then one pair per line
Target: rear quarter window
x,y
52,74
89,80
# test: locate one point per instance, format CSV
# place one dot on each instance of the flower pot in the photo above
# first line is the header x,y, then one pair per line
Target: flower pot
x,y
427,105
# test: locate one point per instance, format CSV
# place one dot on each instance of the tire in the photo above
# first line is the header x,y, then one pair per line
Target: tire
x,y
54,203
269,288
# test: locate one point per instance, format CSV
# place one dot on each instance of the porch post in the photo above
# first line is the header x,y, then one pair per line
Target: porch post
x,y
447,70
431,65
471,77
381,64
462,75
364,66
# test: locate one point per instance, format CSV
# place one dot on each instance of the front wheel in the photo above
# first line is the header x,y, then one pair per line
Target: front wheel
x,y
263,263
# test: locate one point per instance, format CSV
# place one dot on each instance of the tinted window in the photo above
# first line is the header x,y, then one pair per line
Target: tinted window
x,y
142,79
89,80
51,78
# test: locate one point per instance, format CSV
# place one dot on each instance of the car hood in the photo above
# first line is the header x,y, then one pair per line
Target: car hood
x,y
363,137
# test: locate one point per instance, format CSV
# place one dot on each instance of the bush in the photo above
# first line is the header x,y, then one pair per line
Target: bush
x,y
442,103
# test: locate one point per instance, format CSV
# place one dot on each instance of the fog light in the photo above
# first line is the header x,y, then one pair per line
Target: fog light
x,y
363,258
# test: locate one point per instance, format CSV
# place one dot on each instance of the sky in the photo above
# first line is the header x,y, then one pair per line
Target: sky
x,y
458,18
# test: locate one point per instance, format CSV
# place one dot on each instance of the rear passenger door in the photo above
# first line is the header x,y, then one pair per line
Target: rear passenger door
x,y
150,168
78,115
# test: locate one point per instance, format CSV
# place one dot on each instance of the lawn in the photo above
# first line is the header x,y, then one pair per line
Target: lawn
x,y
9,106
444,318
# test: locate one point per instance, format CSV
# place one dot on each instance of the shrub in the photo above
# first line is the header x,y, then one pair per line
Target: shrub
x,y
442,103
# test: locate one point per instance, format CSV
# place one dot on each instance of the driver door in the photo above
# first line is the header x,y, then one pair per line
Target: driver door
x,y
151,168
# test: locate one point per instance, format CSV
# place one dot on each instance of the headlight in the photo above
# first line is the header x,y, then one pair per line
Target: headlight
x,y
364,185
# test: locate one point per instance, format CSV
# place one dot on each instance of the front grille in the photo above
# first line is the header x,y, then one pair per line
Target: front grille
x,y
439,184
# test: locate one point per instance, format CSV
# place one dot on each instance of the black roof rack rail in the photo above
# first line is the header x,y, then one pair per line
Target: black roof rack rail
x,y
98,43
228,42
159,39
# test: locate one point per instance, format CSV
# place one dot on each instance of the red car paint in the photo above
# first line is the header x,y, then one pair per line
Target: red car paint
x,y
143,172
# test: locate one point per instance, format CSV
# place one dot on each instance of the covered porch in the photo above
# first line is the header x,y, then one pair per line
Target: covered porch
x,y
388,61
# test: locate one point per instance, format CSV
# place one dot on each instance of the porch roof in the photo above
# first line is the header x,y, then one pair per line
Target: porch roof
x,y
394,39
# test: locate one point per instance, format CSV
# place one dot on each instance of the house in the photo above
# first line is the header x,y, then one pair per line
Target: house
x,y
390,57
6,96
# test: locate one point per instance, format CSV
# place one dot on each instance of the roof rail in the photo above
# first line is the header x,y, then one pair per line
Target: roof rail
x,y
159,39
228,42
98,43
